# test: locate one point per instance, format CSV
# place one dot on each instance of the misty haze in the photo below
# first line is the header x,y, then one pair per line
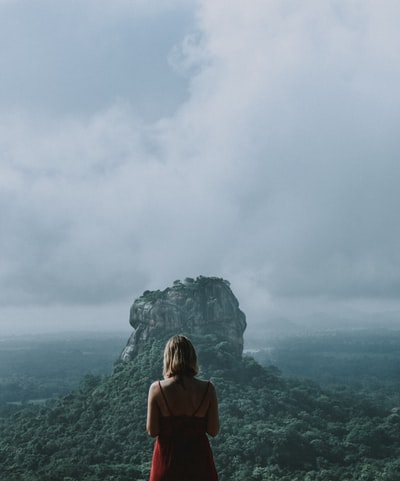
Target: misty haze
x,y
239,160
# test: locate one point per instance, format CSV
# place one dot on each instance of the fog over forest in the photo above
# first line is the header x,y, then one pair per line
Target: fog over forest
x,y
144,142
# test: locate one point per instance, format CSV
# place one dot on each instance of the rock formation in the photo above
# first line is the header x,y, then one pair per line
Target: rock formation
x,y
196,307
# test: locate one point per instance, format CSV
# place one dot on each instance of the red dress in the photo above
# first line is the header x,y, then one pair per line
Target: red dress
x,y
182,451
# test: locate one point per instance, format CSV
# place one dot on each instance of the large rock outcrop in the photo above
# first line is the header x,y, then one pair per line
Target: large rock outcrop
x,y
196,307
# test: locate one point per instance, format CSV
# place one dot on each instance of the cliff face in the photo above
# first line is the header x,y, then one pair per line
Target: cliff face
x,y
200,307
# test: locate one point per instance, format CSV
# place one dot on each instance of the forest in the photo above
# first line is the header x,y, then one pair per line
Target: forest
x,y
366,361
37,368
320,407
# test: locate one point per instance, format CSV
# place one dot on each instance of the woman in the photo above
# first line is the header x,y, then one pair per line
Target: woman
x,y
182,410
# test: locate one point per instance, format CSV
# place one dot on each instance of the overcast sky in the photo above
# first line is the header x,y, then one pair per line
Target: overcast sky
x,y
144,141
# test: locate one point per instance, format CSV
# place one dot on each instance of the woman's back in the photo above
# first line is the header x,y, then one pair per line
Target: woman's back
x,y
182,451
184,396
181,411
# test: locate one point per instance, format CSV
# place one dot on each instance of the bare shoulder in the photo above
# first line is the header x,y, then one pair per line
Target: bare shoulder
x,y
201,382
206,381
210,386
153,389
211,389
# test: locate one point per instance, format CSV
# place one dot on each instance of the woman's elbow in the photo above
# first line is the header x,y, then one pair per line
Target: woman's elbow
x,y
213,429
152,430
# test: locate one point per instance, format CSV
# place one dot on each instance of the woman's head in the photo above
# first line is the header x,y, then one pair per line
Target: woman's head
x,y
180,358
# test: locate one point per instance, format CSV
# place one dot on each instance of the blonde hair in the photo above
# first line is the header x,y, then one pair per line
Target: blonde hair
x,y
180,358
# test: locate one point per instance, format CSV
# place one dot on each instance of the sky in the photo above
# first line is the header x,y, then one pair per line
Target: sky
x,y
143,142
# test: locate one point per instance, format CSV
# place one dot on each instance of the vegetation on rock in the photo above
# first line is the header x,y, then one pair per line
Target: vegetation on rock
x,y
272,428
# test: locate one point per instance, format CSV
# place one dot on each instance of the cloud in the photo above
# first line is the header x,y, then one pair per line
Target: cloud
x,y
81,57
269,158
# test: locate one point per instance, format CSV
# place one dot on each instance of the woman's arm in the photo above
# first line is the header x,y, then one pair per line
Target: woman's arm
x,y
212,413
153,412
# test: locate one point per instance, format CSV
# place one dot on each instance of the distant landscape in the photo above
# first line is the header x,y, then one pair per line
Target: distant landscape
x,y
37,368
34,369
321,406
366,361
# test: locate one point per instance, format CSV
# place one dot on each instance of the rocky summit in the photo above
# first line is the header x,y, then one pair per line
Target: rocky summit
x,y
205,306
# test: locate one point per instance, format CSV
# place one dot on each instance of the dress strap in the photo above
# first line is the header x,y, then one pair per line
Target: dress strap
x,y
204,397
165,399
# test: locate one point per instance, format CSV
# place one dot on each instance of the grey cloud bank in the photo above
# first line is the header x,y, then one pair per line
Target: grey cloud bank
x,y
258,144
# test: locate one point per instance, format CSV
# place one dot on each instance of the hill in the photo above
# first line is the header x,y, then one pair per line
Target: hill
x,y
272,428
